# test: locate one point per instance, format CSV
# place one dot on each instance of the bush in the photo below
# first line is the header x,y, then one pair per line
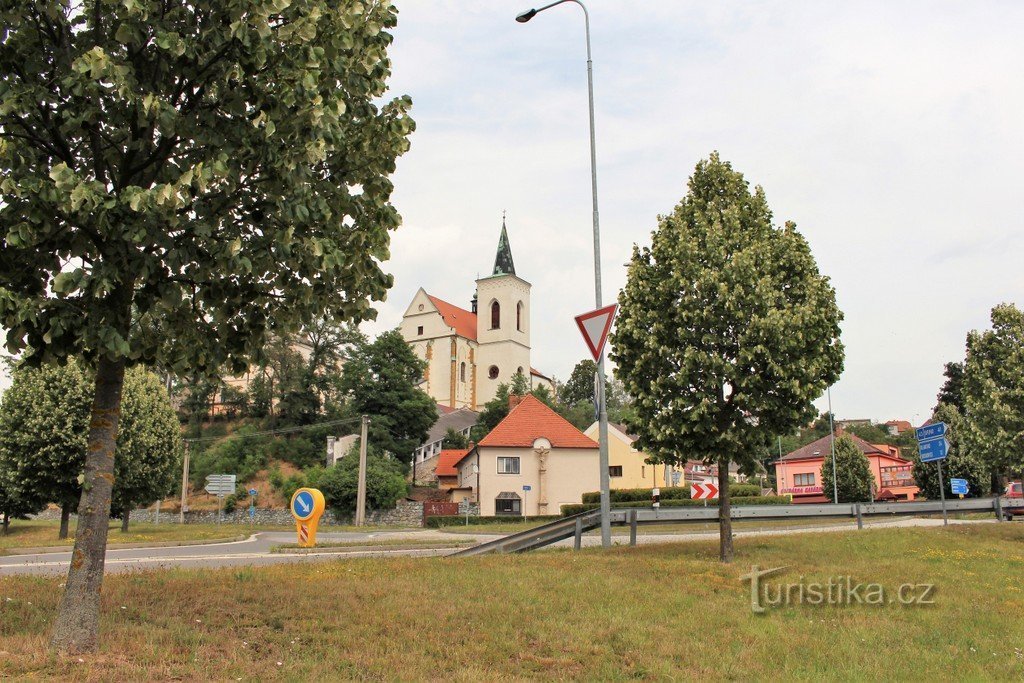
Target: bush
x,y
576,508
476,520
243,457
385,483
667,493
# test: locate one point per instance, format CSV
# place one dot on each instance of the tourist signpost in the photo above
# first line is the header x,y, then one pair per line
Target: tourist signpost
x,y
933,446
220,485
959,487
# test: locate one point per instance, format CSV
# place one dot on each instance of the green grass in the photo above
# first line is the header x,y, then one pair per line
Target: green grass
x,y
43,534
382,543
661,612
673,527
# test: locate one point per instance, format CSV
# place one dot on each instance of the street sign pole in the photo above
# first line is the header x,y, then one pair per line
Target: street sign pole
x,y
942,494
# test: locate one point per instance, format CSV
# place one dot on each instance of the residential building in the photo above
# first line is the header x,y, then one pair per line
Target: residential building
x,y
799,473
533,462
447,473
469,353
626,466
425,458
897,427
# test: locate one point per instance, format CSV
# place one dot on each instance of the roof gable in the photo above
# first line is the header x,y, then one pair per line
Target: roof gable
x,y
459,319
447,460
532,420
822,446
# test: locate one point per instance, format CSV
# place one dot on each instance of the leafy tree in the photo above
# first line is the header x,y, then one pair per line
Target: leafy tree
x,y
520,385
260,398
218,168
855,478
726,330
385,483
380,380
148,446
454,439
993,392
13,503
43,421
959,463
580,385
952,391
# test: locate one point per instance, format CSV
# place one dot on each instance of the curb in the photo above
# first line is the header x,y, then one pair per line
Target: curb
x,y
47,550
367,548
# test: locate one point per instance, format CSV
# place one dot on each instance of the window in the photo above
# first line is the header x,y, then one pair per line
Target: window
x,y
493,372
508,465
803,479
419,330
462,372
614,470
495,315
508,503
519,316
643,472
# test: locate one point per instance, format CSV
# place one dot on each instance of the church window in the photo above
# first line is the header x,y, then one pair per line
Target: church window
x,y
519,316
495,315
493,372
462,372
419,330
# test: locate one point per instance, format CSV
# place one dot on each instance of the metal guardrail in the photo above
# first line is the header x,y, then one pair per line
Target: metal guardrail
x,y
576,525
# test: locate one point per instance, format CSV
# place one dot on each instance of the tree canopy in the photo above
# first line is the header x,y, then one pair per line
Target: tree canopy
x,y
178,180
855,478
726,330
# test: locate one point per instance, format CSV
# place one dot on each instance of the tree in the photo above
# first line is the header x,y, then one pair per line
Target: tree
x,y
580,385
454,439
148,446
726,330
385,483
43,421
952,391
178,182
960,462
993,392
13,504
380,380
855,478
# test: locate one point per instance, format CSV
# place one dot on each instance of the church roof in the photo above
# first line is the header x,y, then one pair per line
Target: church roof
x,y
503,264
531,420
459,319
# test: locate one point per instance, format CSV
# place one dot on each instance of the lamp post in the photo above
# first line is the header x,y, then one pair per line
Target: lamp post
x,y
832,440
606,531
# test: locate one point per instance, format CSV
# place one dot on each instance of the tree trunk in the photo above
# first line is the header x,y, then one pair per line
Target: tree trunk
x,y
6,524
724,511
124,521
65,520
77,625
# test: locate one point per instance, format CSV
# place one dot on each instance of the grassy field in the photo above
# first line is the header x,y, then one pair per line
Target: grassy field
x,y
33,534
379,543
652,612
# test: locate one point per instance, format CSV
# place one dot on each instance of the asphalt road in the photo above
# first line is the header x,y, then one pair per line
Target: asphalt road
x,y
255,551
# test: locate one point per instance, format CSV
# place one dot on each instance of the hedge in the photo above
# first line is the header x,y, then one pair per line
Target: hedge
x,y
667,493
576,508
438,521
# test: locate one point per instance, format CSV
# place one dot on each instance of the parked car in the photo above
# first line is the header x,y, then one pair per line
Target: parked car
x,y
1013,500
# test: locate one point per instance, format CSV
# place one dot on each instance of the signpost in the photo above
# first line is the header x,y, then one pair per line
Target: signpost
x,y
703,491
933,446
526,489
959,487
307,506
220,485
252,506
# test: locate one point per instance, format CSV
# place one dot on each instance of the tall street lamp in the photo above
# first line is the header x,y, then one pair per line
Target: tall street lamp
x,y
606,530
832,442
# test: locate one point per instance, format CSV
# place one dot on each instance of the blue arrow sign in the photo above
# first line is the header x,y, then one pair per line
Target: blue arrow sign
x,y
959,486
527,487
935,449
303,504
932,431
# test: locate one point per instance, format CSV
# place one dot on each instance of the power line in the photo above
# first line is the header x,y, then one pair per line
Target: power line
x,y
272,432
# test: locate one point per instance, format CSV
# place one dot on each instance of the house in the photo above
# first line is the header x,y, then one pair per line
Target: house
x,y
533,462
447,473
425,458
799,473
627,468
469,354
897,427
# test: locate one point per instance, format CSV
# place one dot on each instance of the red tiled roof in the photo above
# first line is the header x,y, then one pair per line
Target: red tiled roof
x,y
538,373
532,420
459,319
446,461
442,409
823,446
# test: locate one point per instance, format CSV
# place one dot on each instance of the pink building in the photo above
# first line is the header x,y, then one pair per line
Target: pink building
x,y
799,473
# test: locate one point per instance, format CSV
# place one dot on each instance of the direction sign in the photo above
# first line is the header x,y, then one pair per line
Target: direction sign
x,y
959,486
303,505
595,326
527,487
932,431
935,449
220,484
703,491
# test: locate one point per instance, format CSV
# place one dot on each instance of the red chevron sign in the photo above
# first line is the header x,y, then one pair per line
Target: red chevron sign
x,y
703,491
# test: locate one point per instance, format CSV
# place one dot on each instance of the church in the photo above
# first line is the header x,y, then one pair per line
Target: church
x,y
469,353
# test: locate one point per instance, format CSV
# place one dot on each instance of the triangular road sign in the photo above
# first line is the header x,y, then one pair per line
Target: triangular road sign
x,y
595,326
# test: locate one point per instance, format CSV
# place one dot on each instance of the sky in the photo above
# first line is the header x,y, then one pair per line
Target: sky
x,y
889,132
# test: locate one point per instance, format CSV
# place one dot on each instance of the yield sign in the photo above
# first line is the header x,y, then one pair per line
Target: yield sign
x,y
595,326
703,491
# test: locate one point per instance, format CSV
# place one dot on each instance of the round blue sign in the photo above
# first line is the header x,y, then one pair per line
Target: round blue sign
x,y
302,505
253,492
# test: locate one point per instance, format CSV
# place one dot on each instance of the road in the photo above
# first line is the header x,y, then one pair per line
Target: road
x,y
255,551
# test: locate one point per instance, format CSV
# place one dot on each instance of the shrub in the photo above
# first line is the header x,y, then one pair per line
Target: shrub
x,y
385,483
476,520
666,493
577,508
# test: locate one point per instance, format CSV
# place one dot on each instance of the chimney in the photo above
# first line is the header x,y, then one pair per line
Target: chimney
x,y
513,401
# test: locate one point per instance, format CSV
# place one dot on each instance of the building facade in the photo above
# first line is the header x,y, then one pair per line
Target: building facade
x,y
469,353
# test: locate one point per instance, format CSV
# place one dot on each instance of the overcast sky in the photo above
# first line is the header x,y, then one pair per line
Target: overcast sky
x,y
889,132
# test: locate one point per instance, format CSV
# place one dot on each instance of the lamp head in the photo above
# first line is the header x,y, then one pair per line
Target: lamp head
x,y
526,16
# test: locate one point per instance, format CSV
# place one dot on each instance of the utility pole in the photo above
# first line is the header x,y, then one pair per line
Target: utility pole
x,y
184,482
832,432
361,490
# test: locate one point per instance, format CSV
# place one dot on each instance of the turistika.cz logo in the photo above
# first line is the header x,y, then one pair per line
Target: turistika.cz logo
x,y
837,591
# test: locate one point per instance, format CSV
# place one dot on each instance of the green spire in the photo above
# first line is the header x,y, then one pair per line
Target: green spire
x,y
503,264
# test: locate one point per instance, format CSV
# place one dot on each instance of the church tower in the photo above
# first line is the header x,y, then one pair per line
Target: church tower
x,y
503,324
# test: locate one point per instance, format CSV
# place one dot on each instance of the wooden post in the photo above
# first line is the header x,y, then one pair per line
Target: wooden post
x,y
184,483
361,490
632,527
578,539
